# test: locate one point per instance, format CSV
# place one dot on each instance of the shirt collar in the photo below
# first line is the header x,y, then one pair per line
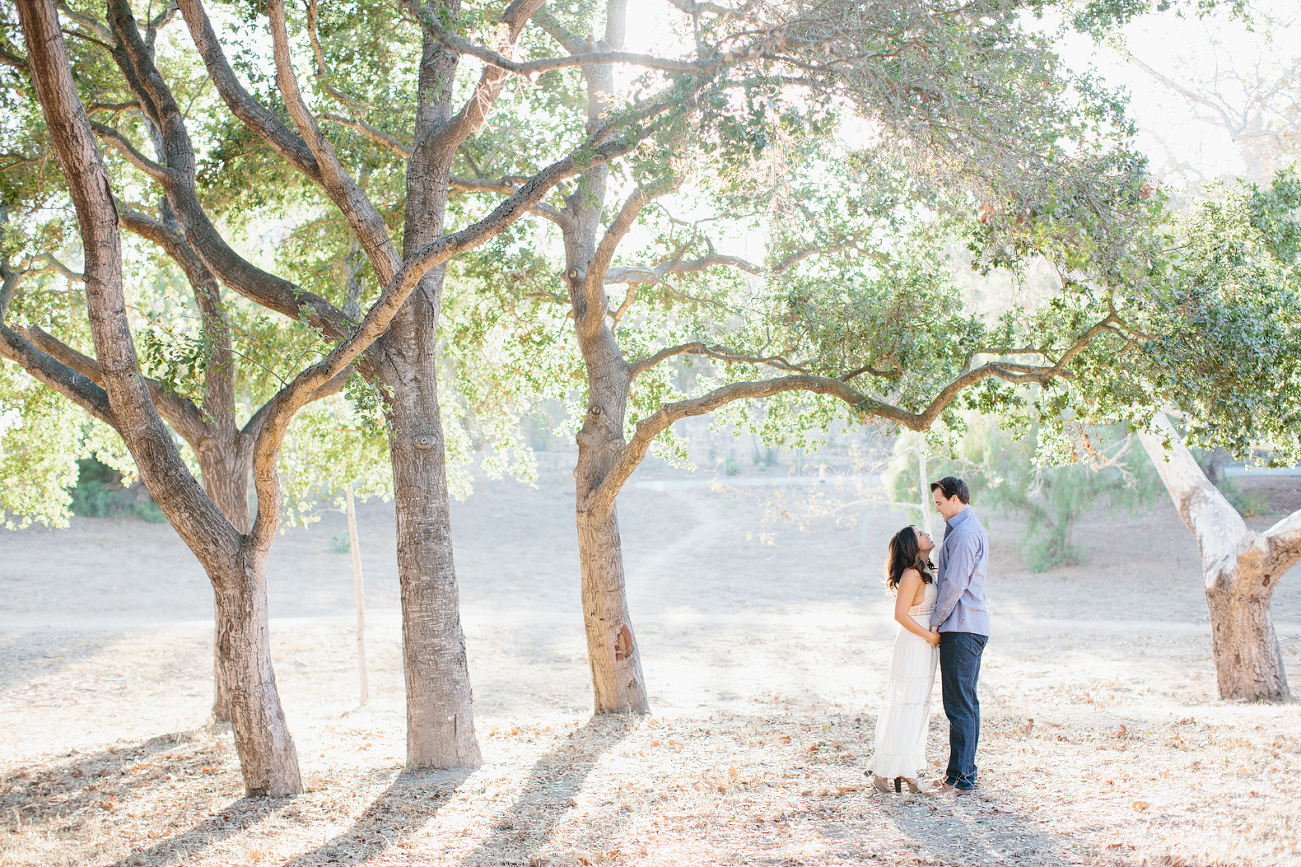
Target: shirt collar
x,y
959,518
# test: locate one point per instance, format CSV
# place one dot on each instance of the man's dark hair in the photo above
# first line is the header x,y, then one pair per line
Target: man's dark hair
x,y
952,486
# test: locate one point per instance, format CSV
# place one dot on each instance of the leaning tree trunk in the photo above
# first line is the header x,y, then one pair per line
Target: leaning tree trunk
x,y
617,682
268,759
1240,568
224,467
236,571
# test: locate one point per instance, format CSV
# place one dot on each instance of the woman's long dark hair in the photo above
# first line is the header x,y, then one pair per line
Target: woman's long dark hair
x,y
904,554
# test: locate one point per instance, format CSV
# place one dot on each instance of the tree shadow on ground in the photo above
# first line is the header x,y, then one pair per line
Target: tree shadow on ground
x,y
47,794
94,787
34,655
410,801
557,776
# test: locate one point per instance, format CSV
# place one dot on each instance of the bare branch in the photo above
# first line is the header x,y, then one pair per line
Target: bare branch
x,y
531,69
507,187
122,145
378,136
364,218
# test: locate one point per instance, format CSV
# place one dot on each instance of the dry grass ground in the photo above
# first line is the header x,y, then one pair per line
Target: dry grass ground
x,y
1103,741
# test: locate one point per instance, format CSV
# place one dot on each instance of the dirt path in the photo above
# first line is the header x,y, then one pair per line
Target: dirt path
x,y
765,662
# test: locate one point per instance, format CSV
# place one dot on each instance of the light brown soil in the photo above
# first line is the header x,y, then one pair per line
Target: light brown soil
x,y
1103,739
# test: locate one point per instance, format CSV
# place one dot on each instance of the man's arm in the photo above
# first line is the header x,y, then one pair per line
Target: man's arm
x,y
959,564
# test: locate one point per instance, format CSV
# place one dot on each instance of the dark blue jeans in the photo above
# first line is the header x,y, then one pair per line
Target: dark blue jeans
x,y
959,669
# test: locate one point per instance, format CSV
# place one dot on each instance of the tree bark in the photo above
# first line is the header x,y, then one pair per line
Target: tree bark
x,y
224,465
440,722
1240,568
268,759
1248,660
617,682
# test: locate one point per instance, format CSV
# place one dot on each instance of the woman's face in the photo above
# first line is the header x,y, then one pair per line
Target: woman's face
x,y
924,543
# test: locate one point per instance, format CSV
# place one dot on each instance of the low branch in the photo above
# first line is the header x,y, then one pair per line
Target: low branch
x,y
602,499
75,386
180,412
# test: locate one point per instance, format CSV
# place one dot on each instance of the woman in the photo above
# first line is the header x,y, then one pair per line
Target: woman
x,y
901,727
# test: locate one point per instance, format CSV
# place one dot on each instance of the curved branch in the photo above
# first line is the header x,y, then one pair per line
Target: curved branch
x,y
602,499
378,136
72,384
179,411
281,408
360,212
474,113
136,62
122,145
253,114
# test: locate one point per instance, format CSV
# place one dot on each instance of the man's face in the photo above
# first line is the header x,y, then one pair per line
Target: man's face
x,y
946,506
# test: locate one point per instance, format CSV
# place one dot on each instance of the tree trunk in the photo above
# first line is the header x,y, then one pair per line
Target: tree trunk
x,y
612,652
1248,661
1240,569
268,759
224,467
440,721
617,682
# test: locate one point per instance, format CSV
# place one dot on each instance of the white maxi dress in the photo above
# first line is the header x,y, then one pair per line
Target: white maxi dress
x,y
901,727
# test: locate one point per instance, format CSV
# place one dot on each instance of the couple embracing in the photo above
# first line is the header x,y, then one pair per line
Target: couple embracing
x,y
943,616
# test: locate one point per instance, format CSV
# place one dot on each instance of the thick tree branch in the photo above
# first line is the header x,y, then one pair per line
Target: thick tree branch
x,y
133,415
180,412
594,311
507,187
270,291
122,145
474,113
257,117
603,497
219,389
1284,542
364,218
70,383
1216,525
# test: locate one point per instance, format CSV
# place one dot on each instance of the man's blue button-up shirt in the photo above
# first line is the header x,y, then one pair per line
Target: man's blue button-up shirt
x,y
960,565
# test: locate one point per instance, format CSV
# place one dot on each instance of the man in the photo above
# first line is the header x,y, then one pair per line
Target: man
x,y
961,617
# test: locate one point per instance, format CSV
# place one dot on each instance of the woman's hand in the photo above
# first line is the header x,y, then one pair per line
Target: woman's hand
x,y
933,638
